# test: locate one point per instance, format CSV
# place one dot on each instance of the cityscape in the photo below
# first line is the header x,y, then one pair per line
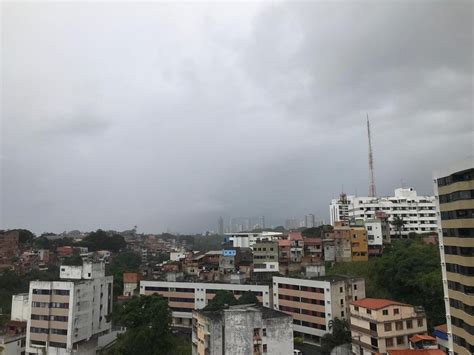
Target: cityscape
x,y
237,178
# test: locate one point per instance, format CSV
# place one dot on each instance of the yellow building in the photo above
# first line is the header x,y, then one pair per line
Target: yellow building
x,y
359,246
454,190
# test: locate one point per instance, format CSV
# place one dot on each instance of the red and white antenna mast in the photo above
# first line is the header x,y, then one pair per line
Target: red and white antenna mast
x,y
372,190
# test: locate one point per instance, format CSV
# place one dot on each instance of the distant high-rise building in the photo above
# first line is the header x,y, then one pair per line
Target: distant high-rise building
x,y
309,221
454,190
292,223
220,226
262,222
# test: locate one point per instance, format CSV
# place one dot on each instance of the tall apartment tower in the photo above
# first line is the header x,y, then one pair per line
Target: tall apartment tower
x,y
220,226
68,316
454,190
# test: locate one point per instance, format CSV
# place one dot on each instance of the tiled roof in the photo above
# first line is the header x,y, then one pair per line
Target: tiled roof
x,y
419,337
284,243
295,236
377,303
130,277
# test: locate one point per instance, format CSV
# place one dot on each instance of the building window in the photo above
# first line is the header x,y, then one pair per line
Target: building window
x,y
385,312
264,348
256,348
420,322
399,325
400,340
264,332
409,324
355,287
388,342
396,311
256,332
373,327
340,289
387,327
356,308
369,311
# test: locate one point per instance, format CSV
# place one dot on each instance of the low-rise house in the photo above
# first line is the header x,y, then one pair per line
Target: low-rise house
x,y
381,324
265,256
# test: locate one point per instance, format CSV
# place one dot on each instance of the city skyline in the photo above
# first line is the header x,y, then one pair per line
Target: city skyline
x,y
171,115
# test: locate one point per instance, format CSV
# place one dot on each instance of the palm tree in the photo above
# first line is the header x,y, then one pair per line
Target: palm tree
x,y
398,223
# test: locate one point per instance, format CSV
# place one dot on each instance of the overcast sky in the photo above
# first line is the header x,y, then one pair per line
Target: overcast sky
x,y
167,115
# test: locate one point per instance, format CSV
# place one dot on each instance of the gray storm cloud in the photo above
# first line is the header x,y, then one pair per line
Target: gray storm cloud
x,y
167,115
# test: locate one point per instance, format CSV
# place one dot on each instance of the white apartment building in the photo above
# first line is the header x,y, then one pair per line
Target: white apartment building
x,y
339,209
313,303
184,297
247,240
68,316
418,212
378,235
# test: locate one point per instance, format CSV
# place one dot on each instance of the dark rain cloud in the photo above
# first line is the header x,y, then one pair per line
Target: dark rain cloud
x,y
167,115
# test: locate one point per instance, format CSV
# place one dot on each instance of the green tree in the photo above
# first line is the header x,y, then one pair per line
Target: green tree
x,y
220,300
340,334
73,260
248,297
147,319
25,236
128,261
100,240
398,223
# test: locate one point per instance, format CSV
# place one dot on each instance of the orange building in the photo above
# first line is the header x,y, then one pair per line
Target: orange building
x,y
359,245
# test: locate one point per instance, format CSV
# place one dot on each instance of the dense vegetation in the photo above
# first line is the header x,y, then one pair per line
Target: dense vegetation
x,y
11,283
127,261
148,322
409,271
227,298
340,335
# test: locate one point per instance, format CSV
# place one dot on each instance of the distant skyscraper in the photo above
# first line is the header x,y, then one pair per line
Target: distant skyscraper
x,y
292,223
220,226
262,222
309,221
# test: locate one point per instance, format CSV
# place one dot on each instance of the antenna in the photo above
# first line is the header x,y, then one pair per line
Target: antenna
x,y
372,191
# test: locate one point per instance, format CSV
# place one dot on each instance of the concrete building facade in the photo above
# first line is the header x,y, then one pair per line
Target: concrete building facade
x,y
359,245
242,330
247,240
68,316
184,297
380,324
454,190
418,212
265,256
313,303
378,235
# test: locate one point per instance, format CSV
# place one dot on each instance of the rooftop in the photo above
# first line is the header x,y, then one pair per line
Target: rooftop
x,y
377,303
442,328
266,312
419,337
